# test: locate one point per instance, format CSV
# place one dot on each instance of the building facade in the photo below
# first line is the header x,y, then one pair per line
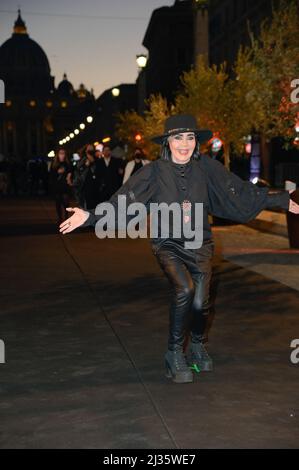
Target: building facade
x,y
169,39
35,114
229,24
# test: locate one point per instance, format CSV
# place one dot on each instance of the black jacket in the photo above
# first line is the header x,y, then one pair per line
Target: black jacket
x,y
109,176
222,193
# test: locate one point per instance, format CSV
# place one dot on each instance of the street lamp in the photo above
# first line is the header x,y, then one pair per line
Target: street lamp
x,y
115,92
141,60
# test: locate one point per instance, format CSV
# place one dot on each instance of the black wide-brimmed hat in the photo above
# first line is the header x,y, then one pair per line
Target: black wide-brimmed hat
x,y
182,123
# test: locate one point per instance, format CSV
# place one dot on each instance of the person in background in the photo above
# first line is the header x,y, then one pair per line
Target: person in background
x,y
4,172
60,177
110,174
86,181
139,160
99,151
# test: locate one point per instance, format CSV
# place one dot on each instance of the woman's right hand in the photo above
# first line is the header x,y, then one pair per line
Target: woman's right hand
x,y
78,218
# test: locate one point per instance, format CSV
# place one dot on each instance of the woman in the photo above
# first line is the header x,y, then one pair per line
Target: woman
x,y
86,181
134,165
185,176
61,173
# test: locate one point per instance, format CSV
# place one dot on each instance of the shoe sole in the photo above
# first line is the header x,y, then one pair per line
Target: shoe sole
x,y
178,380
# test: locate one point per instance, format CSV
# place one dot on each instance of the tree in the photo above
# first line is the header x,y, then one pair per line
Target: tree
x,y
275,56
152,123
218,103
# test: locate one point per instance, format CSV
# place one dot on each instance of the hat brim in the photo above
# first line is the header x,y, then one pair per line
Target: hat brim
x,y
202,135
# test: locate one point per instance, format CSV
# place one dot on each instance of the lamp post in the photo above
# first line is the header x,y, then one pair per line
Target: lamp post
x,y
201,30
141,60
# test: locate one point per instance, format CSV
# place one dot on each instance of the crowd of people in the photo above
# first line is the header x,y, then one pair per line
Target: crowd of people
x,y
94,178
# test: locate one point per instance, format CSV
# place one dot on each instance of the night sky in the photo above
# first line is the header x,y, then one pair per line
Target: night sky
x,y
79,40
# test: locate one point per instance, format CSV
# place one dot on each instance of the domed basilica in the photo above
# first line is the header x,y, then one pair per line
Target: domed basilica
x,y
35,115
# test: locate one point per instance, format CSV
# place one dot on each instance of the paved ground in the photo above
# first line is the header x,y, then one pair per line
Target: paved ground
x,y
85,327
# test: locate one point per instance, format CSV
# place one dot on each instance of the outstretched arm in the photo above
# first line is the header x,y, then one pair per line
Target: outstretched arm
x,y
138,188
76,220
235,199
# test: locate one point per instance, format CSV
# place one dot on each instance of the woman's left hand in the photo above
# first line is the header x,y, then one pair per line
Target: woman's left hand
x,y
293,206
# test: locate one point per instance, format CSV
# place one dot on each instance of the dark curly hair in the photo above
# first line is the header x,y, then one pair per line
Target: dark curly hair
x,y
166,153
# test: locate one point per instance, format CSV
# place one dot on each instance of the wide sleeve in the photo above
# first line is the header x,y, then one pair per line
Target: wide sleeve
x,y
138,188
232,198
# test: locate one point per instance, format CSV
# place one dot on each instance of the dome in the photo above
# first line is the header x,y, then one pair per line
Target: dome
x,y
65,88
82,91
24,66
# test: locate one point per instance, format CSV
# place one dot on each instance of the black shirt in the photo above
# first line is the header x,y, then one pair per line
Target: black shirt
x,y
206,181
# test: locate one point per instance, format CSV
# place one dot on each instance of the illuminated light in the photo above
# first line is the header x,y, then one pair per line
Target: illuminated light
x,y
82,126
61,142
63,104
32,103
107,139
51,154
49,104
99,147
89,119
8,103
76,131
115,92
248,148
255,180
297,127
67,139
72,135
141,60
296,141
96,143
138,137
216,144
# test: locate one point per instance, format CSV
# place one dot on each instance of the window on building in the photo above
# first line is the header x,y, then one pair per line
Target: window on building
x,y
235,9
181,56
215,26
244,6
227,12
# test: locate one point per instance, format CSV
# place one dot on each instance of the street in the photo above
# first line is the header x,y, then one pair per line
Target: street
x,y
84,322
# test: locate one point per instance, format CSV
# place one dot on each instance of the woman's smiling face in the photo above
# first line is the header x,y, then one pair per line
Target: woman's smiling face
x,y
182,146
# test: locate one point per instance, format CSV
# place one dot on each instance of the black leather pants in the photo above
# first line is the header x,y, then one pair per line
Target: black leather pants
x,y
189,273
